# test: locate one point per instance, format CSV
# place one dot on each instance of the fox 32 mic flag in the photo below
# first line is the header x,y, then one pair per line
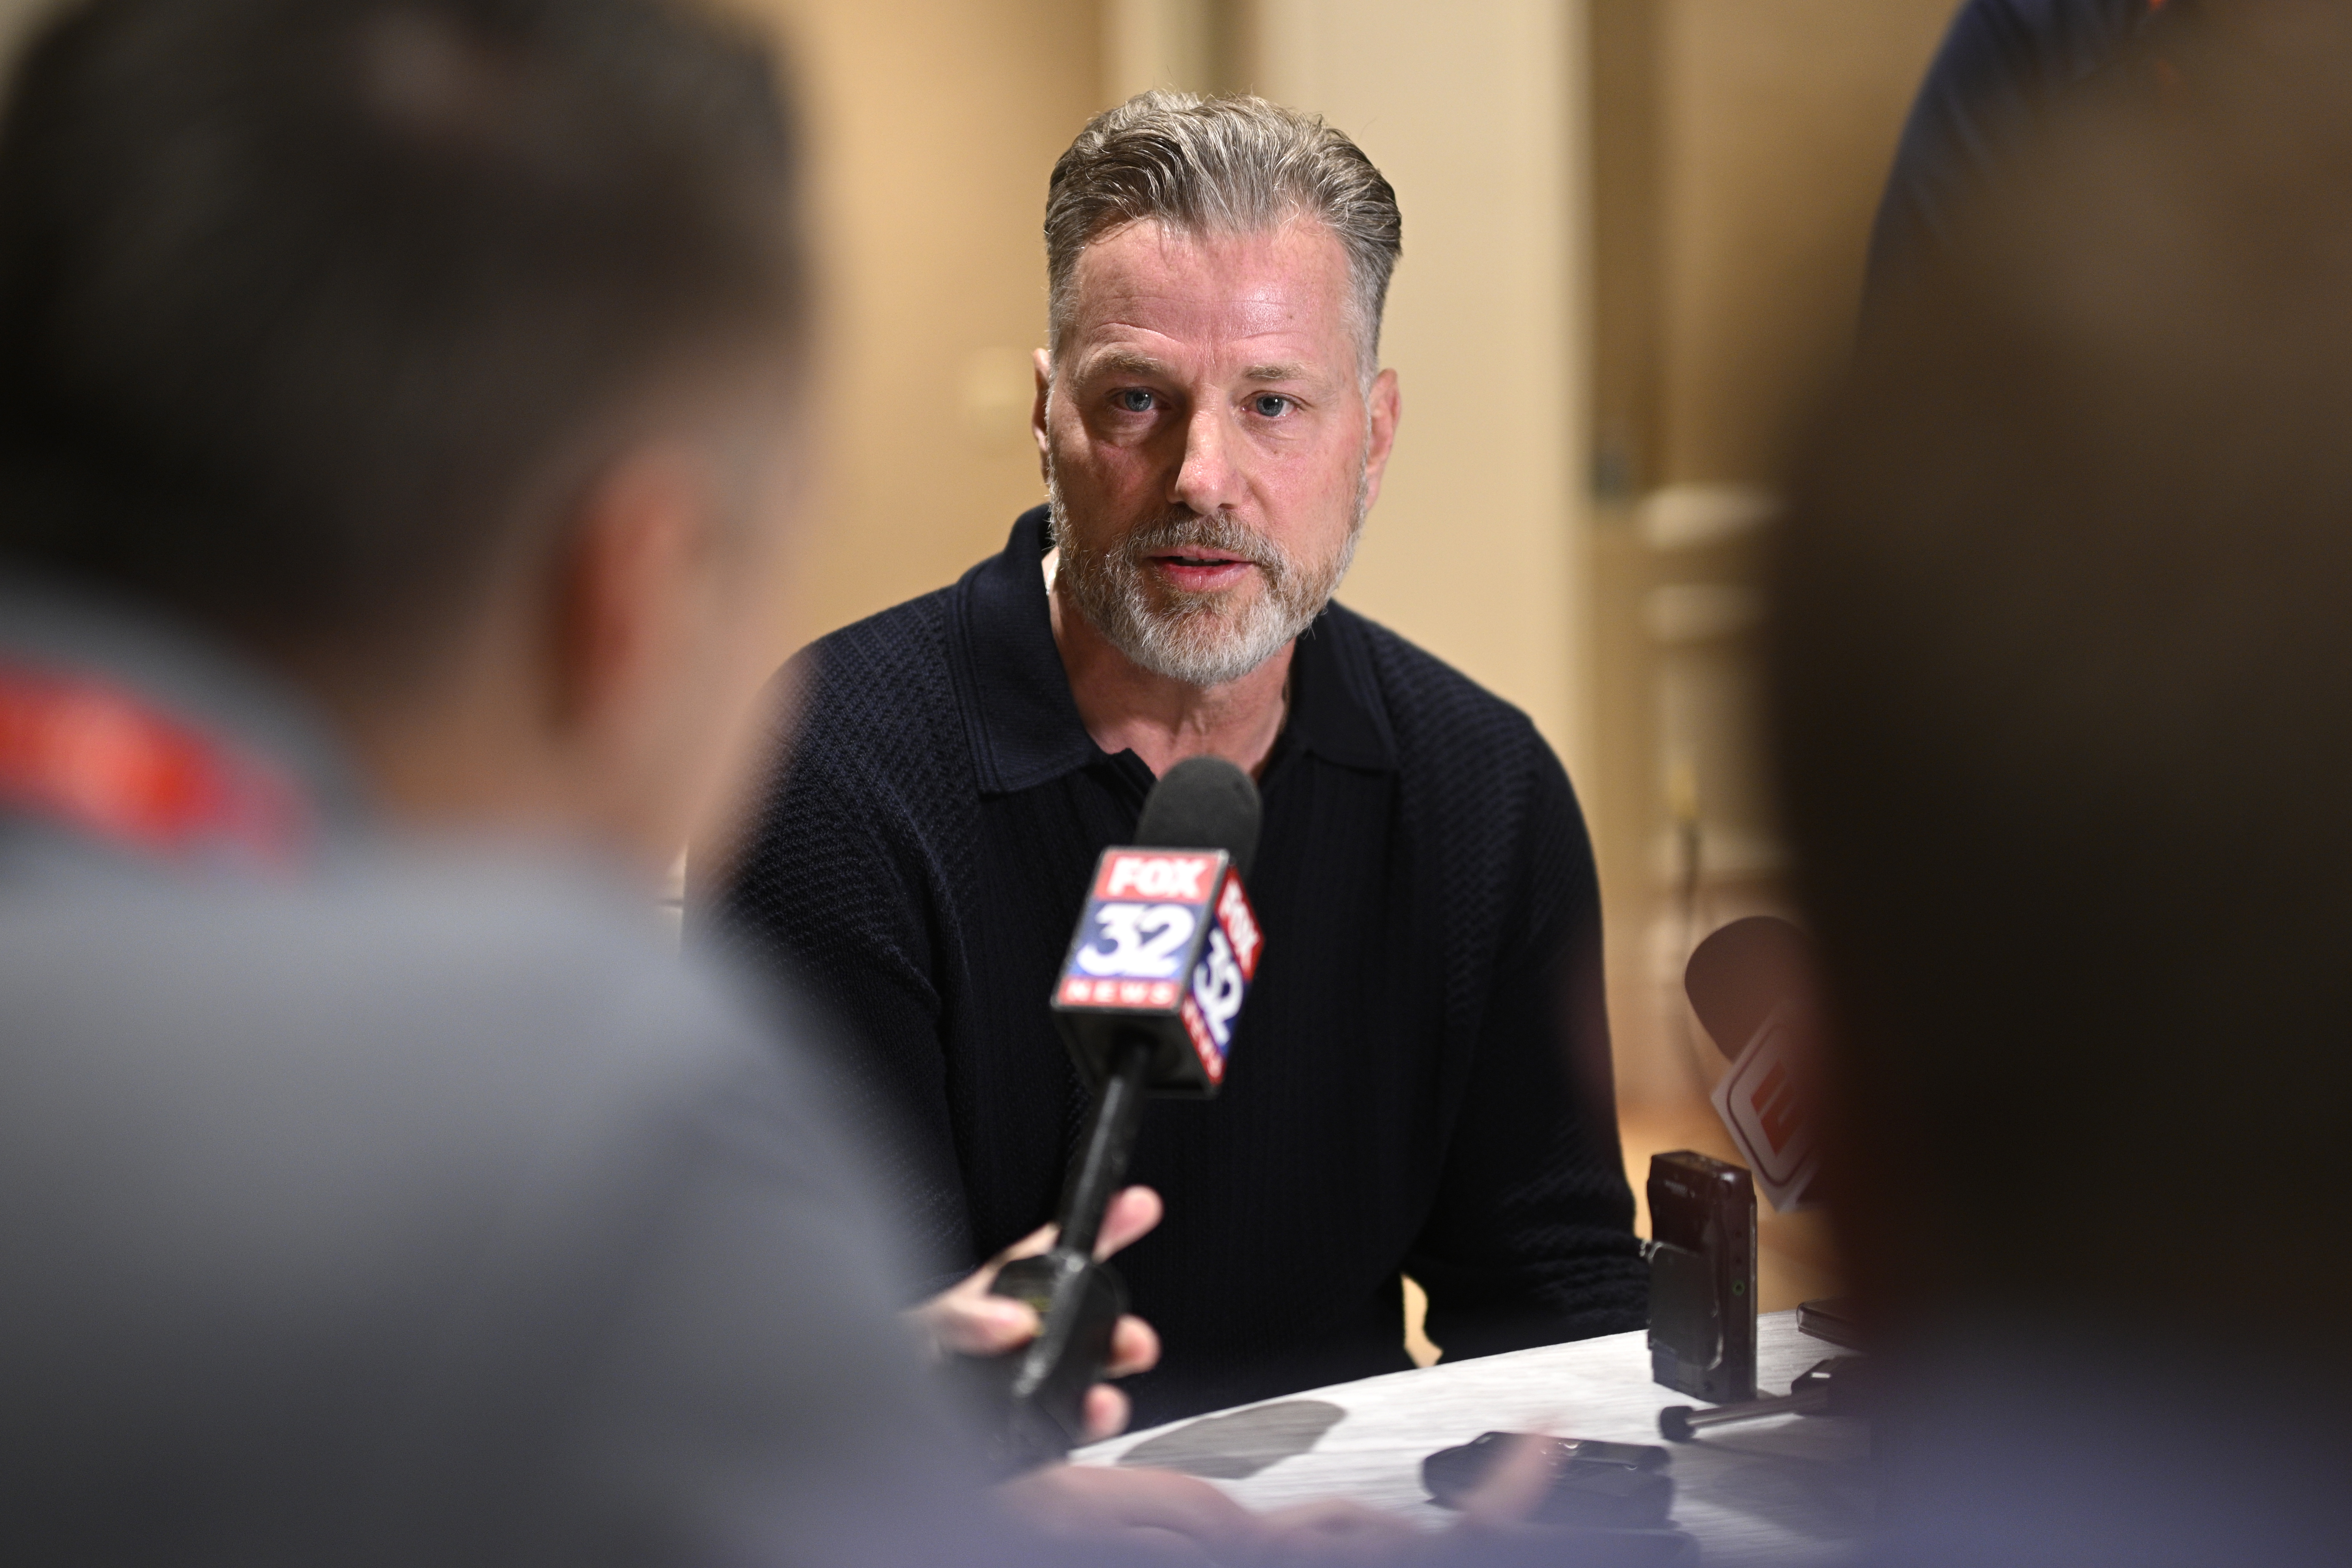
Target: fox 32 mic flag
x,y
1167,948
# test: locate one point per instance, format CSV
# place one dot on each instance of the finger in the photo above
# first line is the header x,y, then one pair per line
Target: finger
x,y
1076,1502
1029,1246
981,1324
1196,1508
1147,1498
1341,1530
1161,1548
1134,1347
1129,1216
1107,1412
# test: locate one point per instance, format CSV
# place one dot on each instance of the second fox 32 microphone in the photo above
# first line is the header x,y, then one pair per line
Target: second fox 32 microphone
x,y
1146,1001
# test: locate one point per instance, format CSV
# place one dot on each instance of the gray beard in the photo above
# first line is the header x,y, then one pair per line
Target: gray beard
x,y
1199,639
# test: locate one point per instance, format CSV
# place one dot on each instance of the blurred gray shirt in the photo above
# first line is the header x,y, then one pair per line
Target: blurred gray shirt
x,y
414,1204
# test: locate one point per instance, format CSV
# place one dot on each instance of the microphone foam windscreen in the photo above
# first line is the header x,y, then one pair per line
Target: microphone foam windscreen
x,y
1739,974
1202,803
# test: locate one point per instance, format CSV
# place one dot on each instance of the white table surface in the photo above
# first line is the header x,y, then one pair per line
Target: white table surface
x,y
1792,1489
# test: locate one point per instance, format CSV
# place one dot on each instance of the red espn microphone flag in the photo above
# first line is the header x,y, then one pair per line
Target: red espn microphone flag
x,y
1749,985
1168,942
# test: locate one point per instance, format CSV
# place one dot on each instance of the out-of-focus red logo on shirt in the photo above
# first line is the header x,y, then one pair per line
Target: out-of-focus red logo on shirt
x,y
97,758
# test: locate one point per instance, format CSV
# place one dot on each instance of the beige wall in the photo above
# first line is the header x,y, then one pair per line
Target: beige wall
x,y
1782,117
933,126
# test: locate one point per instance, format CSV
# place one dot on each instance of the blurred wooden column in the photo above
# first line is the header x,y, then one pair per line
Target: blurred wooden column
x,y
1740,147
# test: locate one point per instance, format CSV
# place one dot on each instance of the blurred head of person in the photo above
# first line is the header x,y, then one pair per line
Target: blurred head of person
x,y
2062,664
438,354
1210,411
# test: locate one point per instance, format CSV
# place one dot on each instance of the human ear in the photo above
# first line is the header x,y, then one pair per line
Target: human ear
x,y
1044,363
1385,409
626,586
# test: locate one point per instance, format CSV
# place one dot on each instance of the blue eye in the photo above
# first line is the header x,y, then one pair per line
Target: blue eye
x,y
1132,400
1270,405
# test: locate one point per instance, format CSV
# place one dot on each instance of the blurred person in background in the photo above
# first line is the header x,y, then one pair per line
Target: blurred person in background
x,y
2001,84
2063,690
1420,1081
397,437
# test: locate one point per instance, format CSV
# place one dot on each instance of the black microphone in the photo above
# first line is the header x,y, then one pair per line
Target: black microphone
x,y
1155,975
1741,973
1750,985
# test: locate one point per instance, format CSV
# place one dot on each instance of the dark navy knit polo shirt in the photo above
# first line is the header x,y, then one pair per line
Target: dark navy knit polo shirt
x,y
1420,1082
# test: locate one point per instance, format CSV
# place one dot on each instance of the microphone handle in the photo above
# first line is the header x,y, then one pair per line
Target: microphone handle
x,y
1108,1142
1077,1300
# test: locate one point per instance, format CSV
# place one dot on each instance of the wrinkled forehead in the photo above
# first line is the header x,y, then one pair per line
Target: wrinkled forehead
x,y
1150,283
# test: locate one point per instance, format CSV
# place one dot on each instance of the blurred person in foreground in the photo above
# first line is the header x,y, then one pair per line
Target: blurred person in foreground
x,y
2062,674
1420,1083
397,430
2001,84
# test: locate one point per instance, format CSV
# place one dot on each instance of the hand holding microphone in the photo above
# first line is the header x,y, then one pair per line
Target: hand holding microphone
x,y
970,1320
1147,997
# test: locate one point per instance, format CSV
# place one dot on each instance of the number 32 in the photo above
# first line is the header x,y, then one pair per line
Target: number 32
x,y
1147,941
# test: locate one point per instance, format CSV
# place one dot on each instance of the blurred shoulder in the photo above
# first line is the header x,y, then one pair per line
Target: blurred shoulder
x,y
482,1001
2039,44
439,1142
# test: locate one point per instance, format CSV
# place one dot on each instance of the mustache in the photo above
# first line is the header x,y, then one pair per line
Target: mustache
x,y
1183,528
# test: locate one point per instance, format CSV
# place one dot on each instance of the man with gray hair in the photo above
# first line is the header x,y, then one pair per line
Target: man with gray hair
x,y
1420,1083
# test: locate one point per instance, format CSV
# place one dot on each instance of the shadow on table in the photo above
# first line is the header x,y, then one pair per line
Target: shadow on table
x,y
1233,1447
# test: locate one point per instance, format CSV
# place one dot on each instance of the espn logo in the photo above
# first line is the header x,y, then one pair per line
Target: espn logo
x,y
1766,1114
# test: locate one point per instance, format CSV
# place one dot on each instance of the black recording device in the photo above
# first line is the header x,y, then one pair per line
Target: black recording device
x,y
1702,1277
1841,1385
1833,1318
1613,1486
1146,1001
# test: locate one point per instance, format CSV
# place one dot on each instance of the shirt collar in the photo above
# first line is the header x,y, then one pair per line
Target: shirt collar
x,y
1023,724
48,626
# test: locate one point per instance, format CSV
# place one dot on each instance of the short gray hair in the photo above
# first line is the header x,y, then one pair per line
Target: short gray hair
x,y
1220,165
